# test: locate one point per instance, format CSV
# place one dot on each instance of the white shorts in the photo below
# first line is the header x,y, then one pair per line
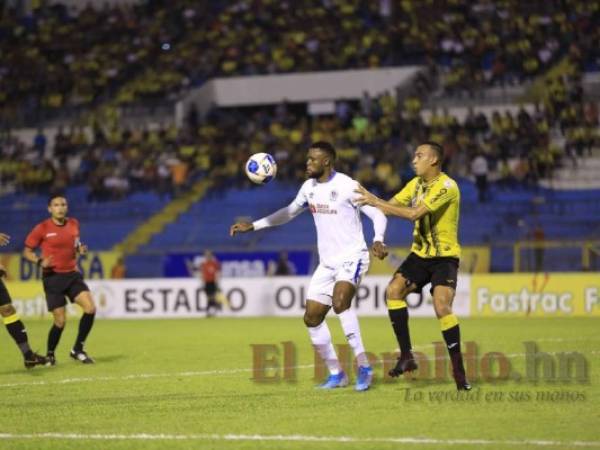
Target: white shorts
x,y
323,280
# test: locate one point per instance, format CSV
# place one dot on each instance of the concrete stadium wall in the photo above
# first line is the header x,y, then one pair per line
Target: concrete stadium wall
x,y
303,87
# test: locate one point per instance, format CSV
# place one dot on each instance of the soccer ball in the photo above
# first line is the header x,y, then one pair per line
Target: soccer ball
x,y
261,168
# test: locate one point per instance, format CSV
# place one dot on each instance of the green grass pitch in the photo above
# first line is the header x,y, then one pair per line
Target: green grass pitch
x,y
187,384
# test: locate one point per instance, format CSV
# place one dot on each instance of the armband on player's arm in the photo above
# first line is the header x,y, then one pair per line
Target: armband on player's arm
x,y
279,217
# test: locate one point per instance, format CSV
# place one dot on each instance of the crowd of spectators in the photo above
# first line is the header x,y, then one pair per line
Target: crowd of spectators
x,y
53,56
374,138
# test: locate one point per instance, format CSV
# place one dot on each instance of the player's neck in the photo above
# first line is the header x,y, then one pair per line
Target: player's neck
x,y
428,177
59,222
327,175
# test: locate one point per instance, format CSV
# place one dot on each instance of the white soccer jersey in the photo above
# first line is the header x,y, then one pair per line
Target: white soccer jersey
x,y
336,216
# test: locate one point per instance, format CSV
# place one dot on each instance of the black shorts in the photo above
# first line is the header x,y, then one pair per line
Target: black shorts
x,y
4,295
210,287
57,286
439,271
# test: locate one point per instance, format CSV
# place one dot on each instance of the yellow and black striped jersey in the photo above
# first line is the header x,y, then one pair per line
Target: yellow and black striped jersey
x,y
436,233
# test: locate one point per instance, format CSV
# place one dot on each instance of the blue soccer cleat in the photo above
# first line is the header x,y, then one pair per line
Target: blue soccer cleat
x,y
365,376
335,381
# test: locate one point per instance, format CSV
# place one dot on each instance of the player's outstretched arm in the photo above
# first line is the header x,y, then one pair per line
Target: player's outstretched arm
x,y
279,217
390,207
4,239
240,227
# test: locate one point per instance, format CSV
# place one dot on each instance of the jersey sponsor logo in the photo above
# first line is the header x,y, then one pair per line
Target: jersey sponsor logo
x,y
51,234
439,195
321,208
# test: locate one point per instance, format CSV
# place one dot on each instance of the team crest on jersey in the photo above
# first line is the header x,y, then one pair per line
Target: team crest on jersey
x,y
333,196
311,195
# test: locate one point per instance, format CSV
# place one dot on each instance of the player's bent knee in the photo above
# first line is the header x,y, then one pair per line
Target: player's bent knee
x,y
442,307
7,310
397,290
312,320
340,306
89,307
60,322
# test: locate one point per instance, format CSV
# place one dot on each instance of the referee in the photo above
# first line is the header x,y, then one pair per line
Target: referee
x,y
58,239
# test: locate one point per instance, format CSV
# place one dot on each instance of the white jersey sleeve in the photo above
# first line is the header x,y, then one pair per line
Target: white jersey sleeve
x,y
379,221
283,215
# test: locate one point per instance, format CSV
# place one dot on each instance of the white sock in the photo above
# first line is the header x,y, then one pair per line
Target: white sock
x,y
321,340
349,322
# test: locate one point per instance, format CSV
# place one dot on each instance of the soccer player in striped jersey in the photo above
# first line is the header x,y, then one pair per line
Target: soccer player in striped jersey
x,y
343,256
432,201
13,323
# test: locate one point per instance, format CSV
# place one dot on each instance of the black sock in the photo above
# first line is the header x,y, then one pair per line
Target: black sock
x,y
19,334
452,338
54,337
85,325
399,319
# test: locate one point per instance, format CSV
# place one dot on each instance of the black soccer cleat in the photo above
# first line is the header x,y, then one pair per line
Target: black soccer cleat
x,y
32,359
50,359
463,386
458,373
406,363
81,356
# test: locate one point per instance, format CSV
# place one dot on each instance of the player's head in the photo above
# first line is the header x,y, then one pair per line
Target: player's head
x,y
428,158
320,159
57,206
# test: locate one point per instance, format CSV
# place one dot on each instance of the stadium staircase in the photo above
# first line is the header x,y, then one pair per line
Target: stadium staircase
x,y
157,223
582,173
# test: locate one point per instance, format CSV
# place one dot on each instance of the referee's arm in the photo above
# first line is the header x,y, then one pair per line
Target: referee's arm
x,y
31,256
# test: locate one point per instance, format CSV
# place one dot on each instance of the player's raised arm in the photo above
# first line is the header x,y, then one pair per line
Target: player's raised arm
x,y
391,207
279,217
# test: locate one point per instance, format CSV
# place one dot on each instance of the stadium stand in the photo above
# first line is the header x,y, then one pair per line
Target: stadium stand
x,y
117,176
148,51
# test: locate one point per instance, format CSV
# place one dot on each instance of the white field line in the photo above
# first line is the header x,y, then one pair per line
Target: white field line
x,y
142,376
294,438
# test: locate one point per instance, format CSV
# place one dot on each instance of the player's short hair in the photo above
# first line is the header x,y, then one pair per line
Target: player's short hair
x,y
53,196
437,149
325,147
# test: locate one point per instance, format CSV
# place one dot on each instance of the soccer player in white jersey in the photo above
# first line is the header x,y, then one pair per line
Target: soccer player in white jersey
x,y
343,257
